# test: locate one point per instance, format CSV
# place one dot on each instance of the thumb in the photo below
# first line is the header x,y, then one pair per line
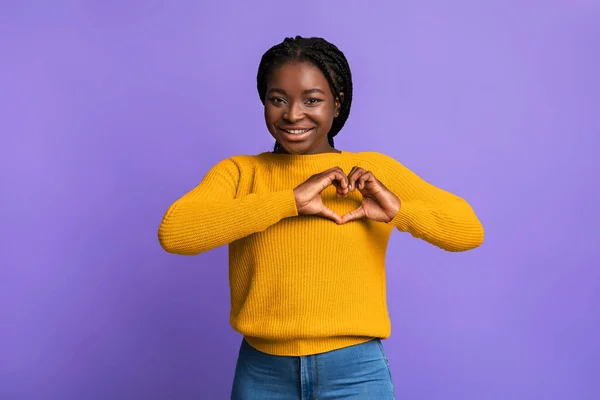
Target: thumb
x,y
329,213
354,215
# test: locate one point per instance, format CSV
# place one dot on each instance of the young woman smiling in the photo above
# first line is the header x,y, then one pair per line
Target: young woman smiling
x,y
307,227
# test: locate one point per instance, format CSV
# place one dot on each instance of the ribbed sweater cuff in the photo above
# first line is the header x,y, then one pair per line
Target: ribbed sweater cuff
x,y
405,216
283,204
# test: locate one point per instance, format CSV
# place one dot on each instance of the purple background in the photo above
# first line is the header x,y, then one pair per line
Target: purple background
x,y
112,110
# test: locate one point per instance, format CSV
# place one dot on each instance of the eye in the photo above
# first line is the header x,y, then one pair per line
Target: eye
x,y
277,100
313,101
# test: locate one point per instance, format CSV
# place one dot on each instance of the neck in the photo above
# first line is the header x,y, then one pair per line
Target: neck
x,y
329,149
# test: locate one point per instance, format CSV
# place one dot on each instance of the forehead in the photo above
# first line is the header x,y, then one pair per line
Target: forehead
x,y
298,76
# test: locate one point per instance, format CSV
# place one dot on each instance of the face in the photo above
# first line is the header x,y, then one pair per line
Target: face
x,y
300,108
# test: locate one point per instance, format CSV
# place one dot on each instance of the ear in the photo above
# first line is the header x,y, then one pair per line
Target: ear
x,y
338,104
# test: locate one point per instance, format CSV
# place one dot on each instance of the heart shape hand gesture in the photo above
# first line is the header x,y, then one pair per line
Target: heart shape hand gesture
x,y
378,203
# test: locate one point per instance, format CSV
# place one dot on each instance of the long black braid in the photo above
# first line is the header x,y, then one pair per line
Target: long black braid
x,y
324,55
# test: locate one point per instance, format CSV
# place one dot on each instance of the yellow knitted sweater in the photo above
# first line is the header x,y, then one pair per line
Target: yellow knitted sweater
x,y
304,284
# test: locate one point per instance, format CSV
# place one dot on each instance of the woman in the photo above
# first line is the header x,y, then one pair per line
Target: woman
x,y
307,227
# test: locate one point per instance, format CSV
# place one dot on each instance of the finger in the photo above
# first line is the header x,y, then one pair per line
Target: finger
x,y
355,173
341,191
333,169
329,213
339,180
354,215
342,186
365,178
336,168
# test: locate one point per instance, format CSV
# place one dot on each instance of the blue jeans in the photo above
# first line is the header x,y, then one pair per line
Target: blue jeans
x,y
356,372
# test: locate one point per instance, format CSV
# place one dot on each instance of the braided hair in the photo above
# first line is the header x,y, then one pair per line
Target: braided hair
x,y
324,55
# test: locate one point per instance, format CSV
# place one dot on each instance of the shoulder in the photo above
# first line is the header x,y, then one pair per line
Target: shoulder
x,y
248,161
385,167
239,163
377,160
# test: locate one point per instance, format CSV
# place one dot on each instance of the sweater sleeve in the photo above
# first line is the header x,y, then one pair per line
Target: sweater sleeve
x,y
212,215
430,213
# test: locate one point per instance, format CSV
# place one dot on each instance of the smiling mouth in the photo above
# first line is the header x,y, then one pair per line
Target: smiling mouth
x,y
296,131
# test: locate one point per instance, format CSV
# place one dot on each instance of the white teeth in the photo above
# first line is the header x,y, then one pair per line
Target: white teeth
x,y
297,131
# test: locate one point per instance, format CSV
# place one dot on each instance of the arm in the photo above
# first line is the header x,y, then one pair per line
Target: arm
x,y
210,215
430,213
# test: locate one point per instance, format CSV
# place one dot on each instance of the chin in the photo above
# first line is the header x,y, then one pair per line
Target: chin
x,y
296,148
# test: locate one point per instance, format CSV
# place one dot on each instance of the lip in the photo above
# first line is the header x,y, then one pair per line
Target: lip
x,y
294,138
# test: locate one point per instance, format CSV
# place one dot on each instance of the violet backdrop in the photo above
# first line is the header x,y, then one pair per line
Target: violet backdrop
x,y
112,110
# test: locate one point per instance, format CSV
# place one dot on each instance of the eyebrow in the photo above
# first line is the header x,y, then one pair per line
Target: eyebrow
x,y
309,91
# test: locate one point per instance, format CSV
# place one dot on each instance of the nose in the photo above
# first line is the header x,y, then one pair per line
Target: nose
x,y
294,113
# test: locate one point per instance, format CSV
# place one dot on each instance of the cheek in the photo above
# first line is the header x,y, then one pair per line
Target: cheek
x,y
324,115
270,114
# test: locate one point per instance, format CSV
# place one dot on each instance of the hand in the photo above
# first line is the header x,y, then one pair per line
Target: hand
x,y
378,204
308,194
